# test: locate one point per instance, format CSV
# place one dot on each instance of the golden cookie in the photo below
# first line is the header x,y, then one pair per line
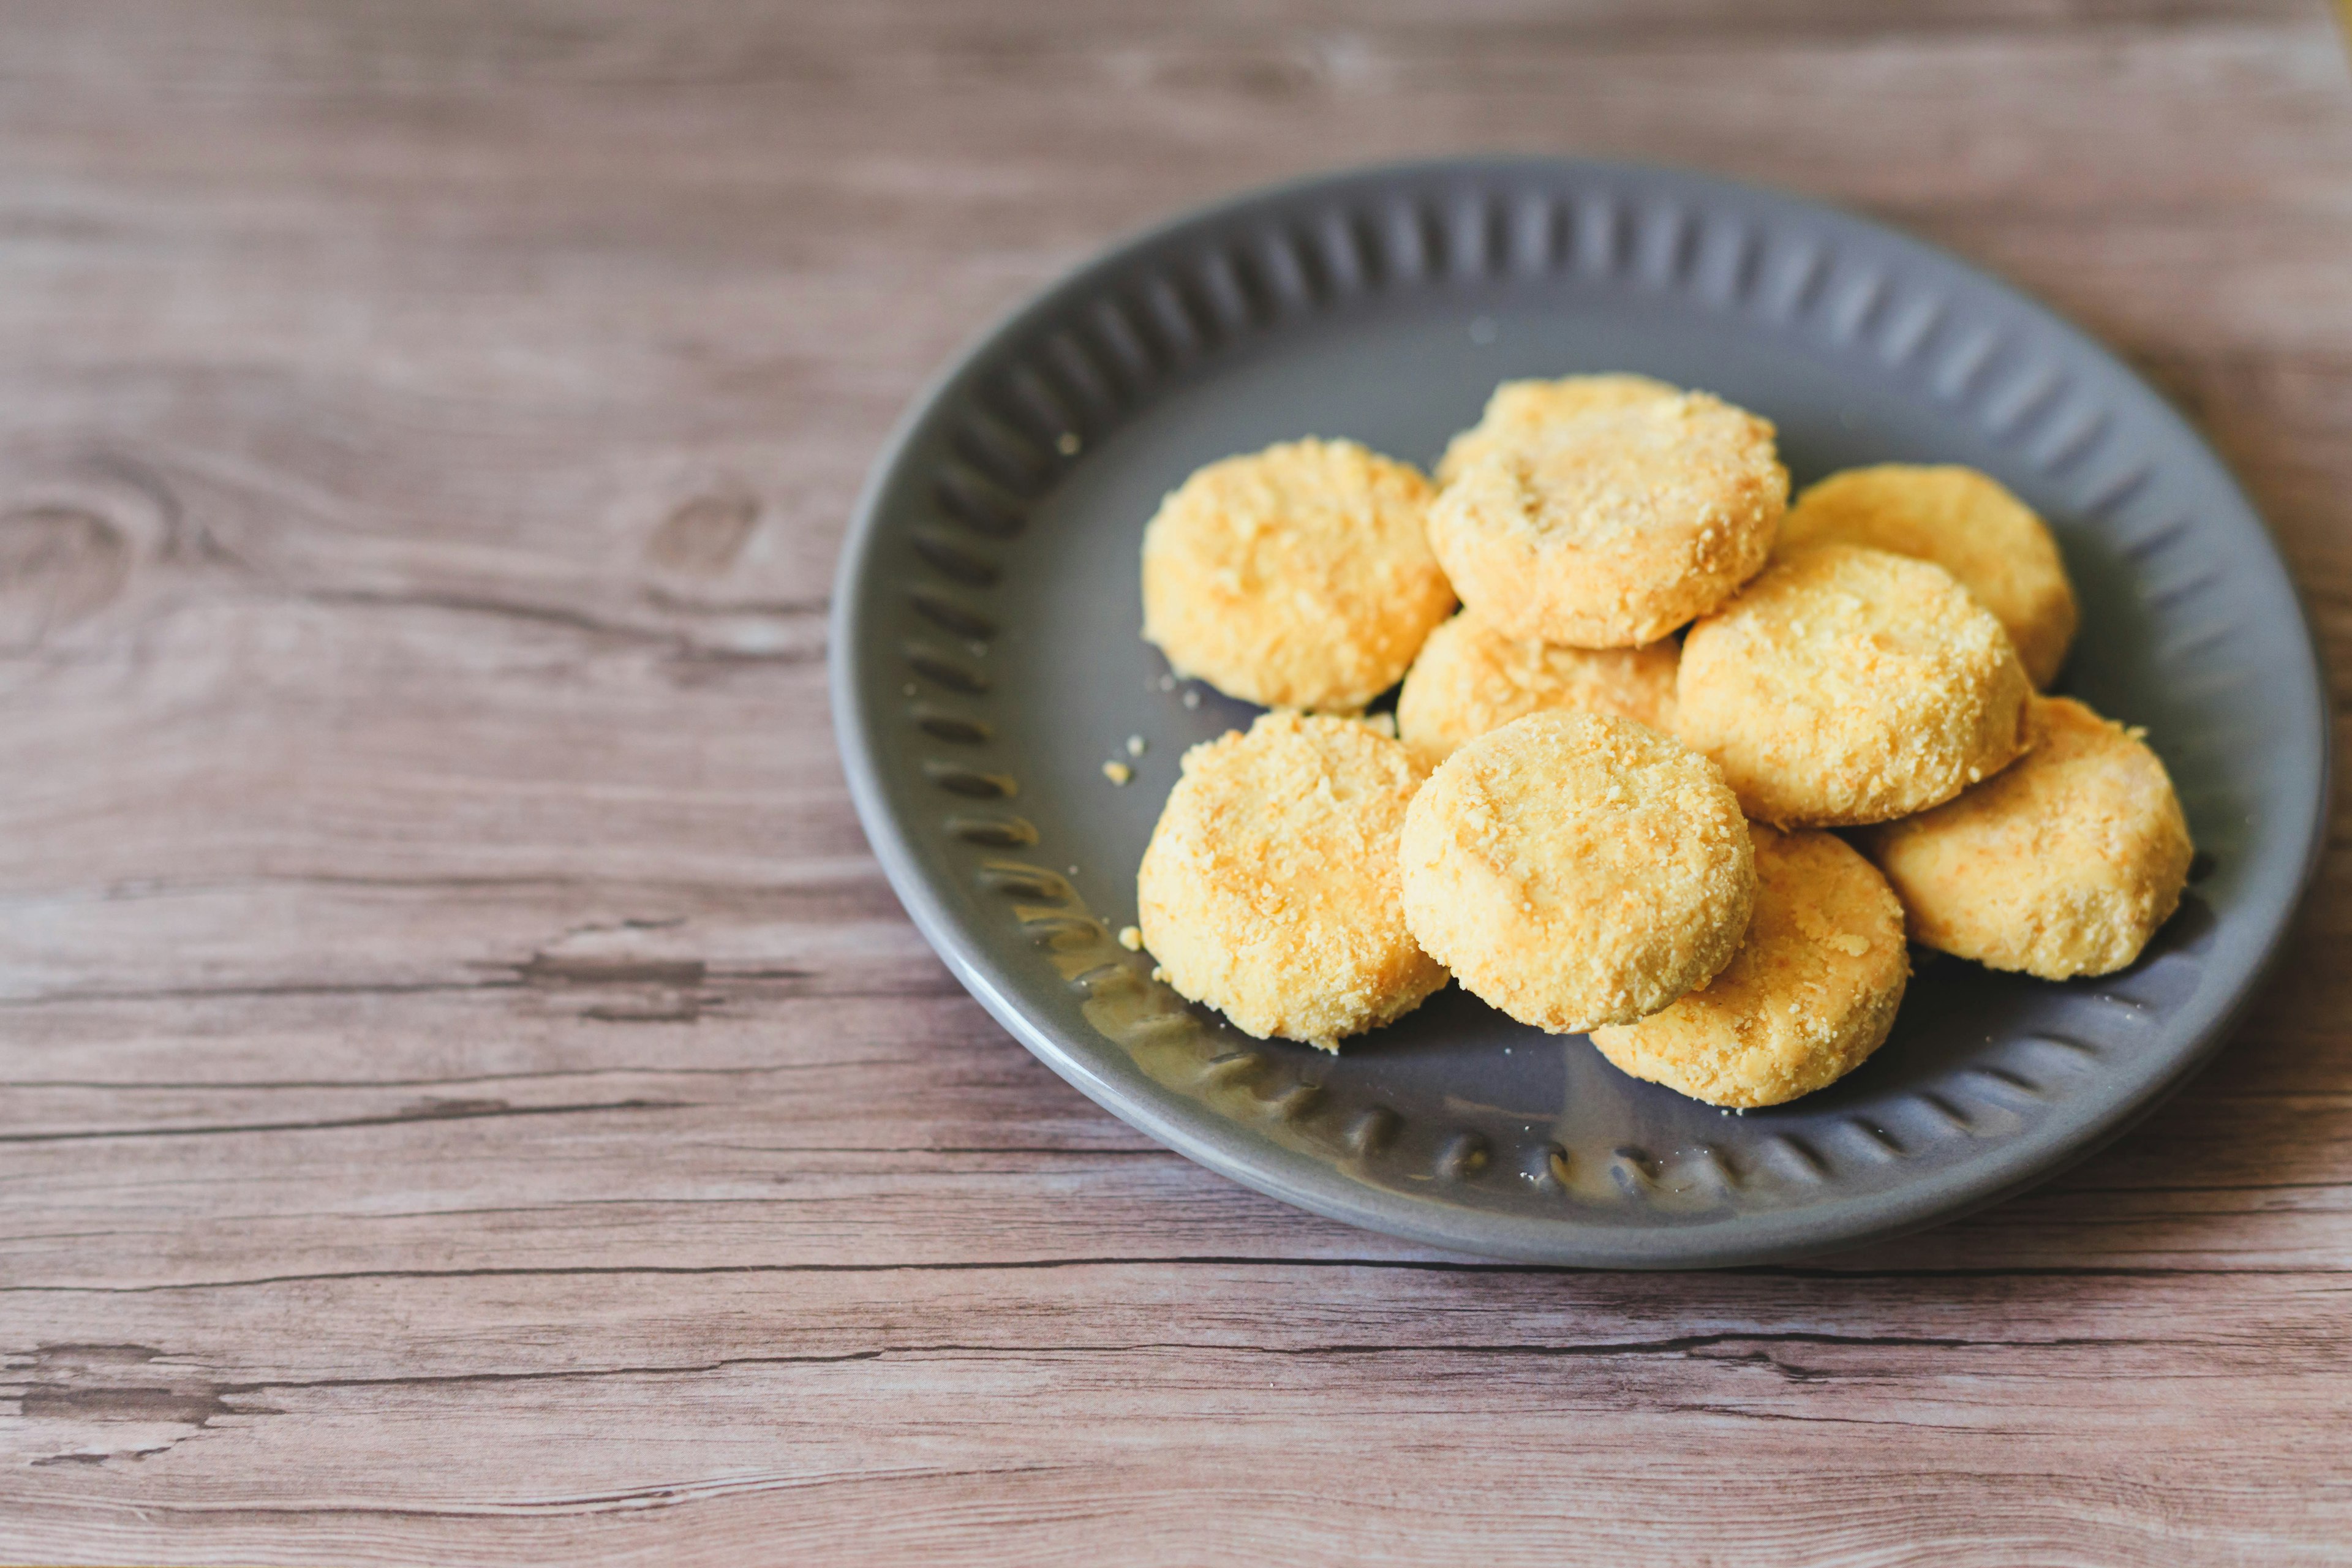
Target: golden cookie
x,y
1612,529
1520,411
2064,864
1297,578
1269,889
1964,521
1469,679
1849,686
1808,995
1574,870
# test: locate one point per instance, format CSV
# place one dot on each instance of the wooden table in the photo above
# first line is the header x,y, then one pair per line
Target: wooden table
x,y
470,1095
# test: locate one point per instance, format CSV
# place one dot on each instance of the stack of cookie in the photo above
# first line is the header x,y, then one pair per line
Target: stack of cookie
x,y
1597,825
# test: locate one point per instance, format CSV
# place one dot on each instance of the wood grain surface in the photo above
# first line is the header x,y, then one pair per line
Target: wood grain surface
x,y
469,1095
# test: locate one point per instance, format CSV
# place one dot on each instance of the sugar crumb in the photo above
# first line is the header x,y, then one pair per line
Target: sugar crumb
x,y
1191,699
1135,745
1117,772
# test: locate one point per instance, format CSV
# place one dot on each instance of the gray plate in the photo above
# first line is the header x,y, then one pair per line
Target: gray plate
x,y
986,664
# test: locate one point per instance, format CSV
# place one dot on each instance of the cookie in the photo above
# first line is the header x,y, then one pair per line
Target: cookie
x,y
2064,864
1521,410
1965,523
1297,577
1470,680
1848,686
1612,529
1575,869
1269,889
1808,995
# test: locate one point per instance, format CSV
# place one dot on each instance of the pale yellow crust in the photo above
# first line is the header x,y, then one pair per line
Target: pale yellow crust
x,y
1612,529
1470,679
1968,523
1297,578
1848,686
1270,891
1520,411
2064,865
1575,869
1810,994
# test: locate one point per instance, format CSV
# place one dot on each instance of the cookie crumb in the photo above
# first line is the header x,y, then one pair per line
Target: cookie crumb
x,y
1117,772
1131,938
1191,699
1167,683
1159,972
1066,443
1135,745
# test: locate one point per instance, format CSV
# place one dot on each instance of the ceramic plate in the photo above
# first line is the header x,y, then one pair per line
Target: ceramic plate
x,y
987,664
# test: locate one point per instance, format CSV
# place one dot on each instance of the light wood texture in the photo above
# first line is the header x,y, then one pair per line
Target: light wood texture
x,y
469,1096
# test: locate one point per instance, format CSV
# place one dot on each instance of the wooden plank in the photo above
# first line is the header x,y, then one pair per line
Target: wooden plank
x,y
927,1380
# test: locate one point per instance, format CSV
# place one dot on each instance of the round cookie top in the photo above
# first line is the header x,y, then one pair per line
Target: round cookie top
x,y
1612,528
1470,679
1269,889
1575,869
1968,523
2066,863
1297,578
1808,995
1849,686
1521,411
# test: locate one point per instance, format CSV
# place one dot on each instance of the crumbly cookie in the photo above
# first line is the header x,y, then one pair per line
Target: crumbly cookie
x,y
1297,578
1520,411
2064,864
1611,529
1810,994
1470,679
1968,523
1269,889
1848,686
1575,869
